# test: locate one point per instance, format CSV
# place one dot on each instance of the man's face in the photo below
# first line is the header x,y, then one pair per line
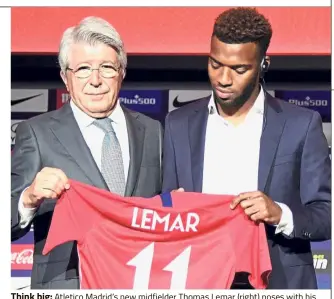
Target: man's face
x,y
95,95
234,72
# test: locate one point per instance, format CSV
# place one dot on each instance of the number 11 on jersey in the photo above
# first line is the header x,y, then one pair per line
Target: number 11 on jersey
x,y
143,263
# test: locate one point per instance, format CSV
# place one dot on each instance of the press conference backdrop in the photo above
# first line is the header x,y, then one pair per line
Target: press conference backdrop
x,y
26,103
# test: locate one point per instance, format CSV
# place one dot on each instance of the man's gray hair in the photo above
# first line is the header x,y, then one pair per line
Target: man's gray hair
x,y
91,30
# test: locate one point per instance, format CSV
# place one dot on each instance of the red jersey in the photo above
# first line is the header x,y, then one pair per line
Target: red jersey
x,y
178,240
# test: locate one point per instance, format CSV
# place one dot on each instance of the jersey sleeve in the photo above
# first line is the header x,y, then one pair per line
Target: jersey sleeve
x,y
74,215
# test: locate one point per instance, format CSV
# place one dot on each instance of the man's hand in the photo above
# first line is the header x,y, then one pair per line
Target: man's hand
x,y
48,183
178,190
259,207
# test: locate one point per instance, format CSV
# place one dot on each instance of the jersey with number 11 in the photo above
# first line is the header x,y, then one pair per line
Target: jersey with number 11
x,y
180,240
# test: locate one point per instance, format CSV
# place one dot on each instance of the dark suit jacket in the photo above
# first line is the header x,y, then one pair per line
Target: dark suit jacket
x,y
54,140
294,169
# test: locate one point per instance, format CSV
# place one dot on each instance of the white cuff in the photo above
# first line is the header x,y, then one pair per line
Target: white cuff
x,y
26,214
285,226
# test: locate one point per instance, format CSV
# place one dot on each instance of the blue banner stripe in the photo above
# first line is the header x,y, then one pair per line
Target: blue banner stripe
x,y
166,199
21,273
26,239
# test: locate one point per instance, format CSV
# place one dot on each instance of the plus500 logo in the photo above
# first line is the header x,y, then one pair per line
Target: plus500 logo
x,y
137,100
308,102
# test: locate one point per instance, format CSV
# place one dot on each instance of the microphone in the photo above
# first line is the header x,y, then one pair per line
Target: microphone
x,y
211,111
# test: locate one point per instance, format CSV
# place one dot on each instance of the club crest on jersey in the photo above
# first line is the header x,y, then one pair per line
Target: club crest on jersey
x,y
151,220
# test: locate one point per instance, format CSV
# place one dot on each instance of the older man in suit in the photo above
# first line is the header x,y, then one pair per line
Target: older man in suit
x,y
92,139
273,156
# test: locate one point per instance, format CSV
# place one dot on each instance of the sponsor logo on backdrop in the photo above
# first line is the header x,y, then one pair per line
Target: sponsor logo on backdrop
x,y
142,100
312,99
137,100
309,102
177,103
62,97
179,98
14,124
22,100
29,100
322,261
22,256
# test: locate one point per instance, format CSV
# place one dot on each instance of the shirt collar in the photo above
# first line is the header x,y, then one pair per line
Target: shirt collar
x,y
257,108
117,116
84,120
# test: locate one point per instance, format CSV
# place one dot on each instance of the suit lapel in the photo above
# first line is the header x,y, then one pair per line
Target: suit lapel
x,y
136,134
197,128
67,131
274,123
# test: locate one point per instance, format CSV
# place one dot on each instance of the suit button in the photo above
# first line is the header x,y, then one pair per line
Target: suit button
x,y
306,234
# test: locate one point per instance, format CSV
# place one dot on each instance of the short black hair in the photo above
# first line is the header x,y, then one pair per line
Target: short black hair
x,y
243,25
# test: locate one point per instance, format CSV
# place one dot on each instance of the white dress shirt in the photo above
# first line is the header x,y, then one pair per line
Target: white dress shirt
x,y
231,159
94,137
